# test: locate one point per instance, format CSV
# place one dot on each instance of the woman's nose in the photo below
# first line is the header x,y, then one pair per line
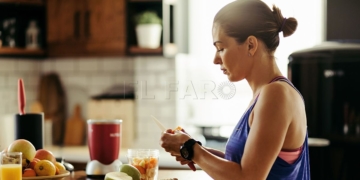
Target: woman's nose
x,y
217,59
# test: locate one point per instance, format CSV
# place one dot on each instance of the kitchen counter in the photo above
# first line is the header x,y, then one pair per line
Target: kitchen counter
x,y
81,155
163,175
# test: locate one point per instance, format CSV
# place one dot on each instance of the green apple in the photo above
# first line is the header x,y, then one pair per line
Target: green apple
x,y
131,171
117,176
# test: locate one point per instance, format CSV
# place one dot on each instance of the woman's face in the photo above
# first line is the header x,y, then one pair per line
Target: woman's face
x,y
232,57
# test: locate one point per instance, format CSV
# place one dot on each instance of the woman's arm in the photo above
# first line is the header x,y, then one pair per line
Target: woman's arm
x,y
215,152
272,116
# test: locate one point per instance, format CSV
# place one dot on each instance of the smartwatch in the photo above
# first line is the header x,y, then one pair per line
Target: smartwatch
x,y
187,150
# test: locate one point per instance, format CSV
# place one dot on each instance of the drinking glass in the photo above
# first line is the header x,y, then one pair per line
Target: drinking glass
x,y
11,166
146,161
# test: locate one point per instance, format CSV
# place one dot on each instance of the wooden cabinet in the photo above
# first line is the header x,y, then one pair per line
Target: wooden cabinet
x,y
86,27
15,18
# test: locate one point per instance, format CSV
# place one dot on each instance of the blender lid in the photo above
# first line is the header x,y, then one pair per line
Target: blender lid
x,y
104,121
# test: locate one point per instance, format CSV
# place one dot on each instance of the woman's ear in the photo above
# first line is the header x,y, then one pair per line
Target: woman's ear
x,y
252,45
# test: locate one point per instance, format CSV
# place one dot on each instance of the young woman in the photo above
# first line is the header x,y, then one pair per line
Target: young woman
x,y
270,139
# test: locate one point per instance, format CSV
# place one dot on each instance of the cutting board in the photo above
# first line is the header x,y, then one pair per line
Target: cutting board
x,y
75,129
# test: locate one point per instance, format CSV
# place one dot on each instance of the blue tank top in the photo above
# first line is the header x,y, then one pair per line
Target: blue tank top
x,y
281,170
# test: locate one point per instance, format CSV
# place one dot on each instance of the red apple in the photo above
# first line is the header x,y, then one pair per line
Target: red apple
x,y
43,154
21,145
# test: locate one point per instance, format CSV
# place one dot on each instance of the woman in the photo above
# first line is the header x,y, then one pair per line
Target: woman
x,y
270,139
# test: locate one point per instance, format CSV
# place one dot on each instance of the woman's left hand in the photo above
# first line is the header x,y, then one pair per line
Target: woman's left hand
x,y
171,141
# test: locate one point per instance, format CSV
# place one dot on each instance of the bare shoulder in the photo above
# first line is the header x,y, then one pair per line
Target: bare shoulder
x,y
281,98
280,92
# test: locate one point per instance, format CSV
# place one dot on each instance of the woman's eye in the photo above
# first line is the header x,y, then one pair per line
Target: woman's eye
x,y
219,50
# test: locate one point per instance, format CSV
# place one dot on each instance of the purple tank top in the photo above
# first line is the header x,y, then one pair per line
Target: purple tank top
x,y
281,170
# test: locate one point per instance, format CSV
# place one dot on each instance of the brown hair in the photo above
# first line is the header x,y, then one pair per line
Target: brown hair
x,y
243,18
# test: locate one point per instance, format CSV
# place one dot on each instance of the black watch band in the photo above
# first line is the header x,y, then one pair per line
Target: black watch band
x,y
187,150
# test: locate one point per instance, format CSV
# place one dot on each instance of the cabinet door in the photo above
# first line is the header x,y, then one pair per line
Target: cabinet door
x,y
105,27
64,27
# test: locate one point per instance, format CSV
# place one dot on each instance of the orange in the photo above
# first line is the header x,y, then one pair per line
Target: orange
x,y
28,172
45,168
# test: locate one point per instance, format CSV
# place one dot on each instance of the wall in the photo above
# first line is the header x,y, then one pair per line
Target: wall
x,y
86,77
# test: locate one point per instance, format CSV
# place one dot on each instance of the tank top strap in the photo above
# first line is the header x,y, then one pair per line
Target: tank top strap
x,y
284,79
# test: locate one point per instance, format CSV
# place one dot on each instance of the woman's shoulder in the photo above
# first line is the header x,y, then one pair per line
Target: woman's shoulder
x,y
278,90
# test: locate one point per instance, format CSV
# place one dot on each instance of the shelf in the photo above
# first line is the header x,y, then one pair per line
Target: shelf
x,y
29,2
134,50
6,51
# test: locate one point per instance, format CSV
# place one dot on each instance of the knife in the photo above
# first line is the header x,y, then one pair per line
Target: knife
x,y
163,128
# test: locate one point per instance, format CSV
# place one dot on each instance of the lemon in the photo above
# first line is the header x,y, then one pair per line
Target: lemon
x,y
131,171
117,176
60,166
45,168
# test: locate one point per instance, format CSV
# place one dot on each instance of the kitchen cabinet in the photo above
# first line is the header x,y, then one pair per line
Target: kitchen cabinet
x,y
15,18
86,27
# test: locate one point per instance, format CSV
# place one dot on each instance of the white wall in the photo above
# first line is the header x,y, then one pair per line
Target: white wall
x,y
310,31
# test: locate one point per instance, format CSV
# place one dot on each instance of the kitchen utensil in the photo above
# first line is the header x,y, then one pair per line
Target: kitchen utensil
x,y
52,97
158,123
30,126
21,97
75,129
36,107
104,137
163,128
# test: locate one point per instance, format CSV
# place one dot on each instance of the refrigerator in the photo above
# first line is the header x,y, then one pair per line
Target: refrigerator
x,y
327,76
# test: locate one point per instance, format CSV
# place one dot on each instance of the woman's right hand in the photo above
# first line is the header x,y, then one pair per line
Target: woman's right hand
x,y
185,161
182,160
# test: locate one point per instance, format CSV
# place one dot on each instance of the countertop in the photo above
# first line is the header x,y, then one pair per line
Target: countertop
x,y
80,154
163,175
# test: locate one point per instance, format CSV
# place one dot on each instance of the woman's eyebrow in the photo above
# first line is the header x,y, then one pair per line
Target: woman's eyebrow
x,y
217,42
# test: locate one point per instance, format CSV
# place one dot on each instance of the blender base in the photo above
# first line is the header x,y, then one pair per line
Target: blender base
x,y
95,168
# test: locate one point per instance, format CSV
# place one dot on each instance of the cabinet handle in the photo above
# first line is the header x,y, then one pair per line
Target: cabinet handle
x,y
87,24
77,24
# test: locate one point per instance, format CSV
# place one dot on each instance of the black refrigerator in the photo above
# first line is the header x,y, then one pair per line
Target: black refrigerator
x,y
328,77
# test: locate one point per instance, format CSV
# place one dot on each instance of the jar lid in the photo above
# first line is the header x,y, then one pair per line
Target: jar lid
x,y
104,121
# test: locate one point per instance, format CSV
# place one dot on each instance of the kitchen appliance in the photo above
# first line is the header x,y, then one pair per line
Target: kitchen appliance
x,y
104,142
327,76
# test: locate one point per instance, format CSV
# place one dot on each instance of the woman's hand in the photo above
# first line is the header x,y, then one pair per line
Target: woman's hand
x,y
172,140
182,161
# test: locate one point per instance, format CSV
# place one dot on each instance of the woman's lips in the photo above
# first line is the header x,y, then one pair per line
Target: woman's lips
x,y
224,71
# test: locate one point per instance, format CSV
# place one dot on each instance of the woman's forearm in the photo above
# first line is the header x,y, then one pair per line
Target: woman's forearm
x,y
216,167
215,152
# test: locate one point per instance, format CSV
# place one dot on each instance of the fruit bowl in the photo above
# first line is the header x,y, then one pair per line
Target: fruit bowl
x,y
56,177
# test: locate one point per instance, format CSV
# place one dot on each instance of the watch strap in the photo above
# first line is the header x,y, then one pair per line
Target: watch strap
x,y
189,146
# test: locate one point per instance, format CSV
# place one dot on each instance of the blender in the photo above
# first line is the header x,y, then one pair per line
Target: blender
x,y
104,139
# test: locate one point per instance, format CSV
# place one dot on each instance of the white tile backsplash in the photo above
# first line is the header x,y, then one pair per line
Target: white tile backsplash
x,y
25,65
47,66
8,65
89,65
65,65
86,77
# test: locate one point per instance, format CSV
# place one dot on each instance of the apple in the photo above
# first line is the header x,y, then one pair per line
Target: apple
x,y
21,145
43,154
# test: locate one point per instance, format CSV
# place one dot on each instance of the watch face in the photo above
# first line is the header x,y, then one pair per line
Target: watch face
x,y
184,153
